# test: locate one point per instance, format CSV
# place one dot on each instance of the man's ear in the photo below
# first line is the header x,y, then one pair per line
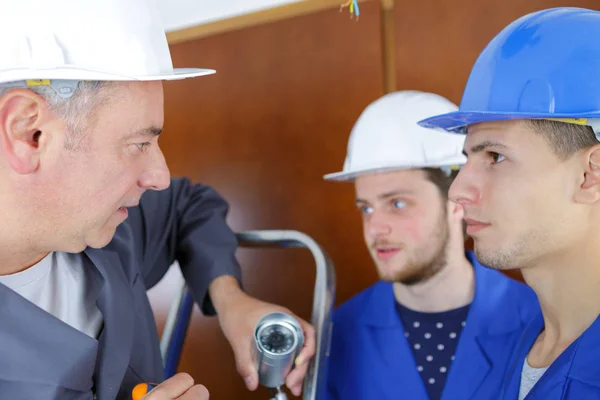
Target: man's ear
x,y
455,209
22,138
589,191
455,212
456,224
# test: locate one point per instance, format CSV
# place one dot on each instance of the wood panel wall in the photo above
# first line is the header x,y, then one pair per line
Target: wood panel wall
x,y
276,117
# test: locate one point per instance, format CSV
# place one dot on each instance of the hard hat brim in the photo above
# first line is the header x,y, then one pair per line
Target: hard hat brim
x,y
457,121
80,74
346,176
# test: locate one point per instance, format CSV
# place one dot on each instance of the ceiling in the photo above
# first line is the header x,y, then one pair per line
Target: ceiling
x,y
180,14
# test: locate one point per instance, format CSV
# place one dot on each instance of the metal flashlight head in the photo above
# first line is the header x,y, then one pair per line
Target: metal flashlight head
x,y
278,339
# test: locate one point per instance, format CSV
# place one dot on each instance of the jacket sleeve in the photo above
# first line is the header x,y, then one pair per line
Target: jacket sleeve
x,y
185,223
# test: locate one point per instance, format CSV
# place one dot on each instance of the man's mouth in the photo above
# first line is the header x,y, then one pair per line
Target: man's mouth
x,y
129,205
387,252
474,226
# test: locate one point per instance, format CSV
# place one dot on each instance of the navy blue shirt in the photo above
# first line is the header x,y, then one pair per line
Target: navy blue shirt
x,y
433,338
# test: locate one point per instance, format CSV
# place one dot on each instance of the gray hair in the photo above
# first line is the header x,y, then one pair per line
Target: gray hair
x,y
76,111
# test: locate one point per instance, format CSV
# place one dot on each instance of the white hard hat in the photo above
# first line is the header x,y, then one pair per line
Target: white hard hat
x,y
85,40
386,137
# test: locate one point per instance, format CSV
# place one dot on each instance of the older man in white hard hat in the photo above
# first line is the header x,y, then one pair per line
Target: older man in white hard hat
x,y
90,215
438,325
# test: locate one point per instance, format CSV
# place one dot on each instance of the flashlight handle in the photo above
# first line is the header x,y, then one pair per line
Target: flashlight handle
x,y
142,389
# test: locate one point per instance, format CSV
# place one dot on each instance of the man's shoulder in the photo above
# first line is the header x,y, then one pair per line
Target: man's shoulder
x,y
349,311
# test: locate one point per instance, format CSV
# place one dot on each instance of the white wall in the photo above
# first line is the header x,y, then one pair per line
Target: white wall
x,y
179,14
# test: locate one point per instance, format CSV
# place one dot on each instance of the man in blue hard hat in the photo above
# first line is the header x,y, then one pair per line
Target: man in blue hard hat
x,y
531,189
437,325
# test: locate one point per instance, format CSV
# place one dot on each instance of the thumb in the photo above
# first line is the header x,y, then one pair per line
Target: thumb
x,y
245,363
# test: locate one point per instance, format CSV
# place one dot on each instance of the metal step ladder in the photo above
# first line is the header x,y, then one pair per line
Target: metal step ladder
x,y
323,302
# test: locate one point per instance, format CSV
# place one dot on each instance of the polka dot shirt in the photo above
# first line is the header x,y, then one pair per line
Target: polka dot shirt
x,y
432,338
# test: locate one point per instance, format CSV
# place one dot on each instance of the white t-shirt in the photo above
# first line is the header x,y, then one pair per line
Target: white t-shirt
x,y
529,377
60,284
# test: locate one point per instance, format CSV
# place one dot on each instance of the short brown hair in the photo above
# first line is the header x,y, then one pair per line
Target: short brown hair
x,y
565,139
440,179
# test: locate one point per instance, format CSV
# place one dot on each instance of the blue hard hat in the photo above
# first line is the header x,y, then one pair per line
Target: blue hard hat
x,y
544,65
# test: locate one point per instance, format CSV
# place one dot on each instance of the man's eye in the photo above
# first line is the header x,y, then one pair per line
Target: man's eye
x,y
399,204
366,210
498,158
142,146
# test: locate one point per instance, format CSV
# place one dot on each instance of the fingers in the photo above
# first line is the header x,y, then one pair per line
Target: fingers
x,y
196,392
310,343
295,379
179,387
172,388
242,351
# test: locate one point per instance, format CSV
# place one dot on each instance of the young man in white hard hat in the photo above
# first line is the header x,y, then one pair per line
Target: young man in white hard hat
x,y
438,325
90,216
531,189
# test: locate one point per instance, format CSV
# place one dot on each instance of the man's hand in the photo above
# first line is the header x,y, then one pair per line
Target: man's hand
x,y
238,315
179,387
